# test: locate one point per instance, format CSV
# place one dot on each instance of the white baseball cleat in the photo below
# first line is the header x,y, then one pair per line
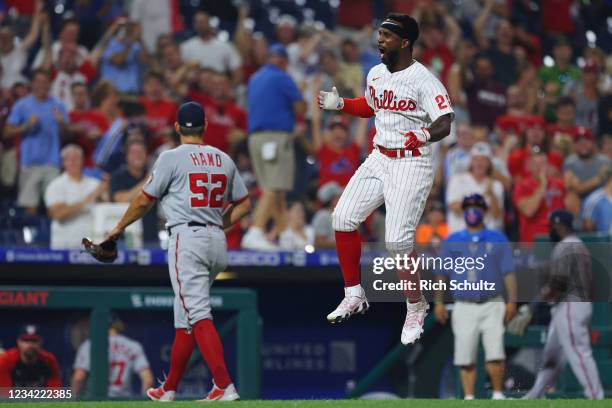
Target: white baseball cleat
x,y
228,393
354,302
415,317
158,394
498,395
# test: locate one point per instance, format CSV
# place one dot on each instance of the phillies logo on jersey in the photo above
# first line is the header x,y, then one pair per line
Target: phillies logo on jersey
x,y
388,101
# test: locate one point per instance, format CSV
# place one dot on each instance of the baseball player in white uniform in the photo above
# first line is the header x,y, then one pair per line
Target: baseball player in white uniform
x,y
201,194
569,288
412,110
126,357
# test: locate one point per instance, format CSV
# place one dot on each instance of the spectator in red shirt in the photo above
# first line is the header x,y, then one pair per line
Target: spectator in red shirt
x,y
338,155
557,16
160,111
87,124
28,365
537,195
68,72
534,135
227,122
517,115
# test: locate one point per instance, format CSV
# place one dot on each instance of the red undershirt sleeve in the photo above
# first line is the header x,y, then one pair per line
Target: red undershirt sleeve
x,y
357,107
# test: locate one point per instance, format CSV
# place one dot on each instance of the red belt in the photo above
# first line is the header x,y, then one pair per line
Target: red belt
x,y
398,153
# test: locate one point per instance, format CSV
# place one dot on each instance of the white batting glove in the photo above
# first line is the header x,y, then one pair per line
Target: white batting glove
x,y
330,100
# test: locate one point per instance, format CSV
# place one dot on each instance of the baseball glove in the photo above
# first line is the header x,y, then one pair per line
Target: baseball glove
x,y
519,323
105,252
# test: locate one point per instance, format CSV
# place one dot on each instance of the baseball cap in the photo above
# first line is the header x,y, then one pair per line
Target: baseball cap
x,y
328,191
29,332
481,149
190,115
562,217
278,49
583,132
474,200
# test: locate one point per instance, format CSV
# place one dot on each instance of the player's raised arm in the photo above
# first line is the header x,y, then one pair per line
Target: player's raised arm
x,y
354,107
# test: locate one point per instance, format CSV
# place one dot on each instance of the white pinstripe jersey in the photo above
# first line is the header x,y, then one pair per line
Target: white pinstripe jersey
x,y
126,357
406,100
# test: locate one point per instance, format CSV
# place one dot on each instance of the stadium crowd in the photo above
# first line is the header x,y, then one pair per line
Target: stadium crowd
x,y
89,91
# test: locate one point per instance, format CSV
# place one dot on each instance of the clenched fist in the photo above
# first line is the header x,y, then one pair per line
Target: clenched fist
x,y
416,139
330,100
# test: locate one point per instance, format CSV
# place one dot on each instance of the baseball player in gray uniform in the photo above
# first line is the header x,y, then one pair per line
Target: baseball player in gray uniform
x,y
201,194
569,288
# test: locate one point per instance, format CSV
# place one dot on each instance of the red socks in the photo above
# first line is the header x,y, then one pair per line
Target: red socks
x,y
179,357
212,350
348,248
413,296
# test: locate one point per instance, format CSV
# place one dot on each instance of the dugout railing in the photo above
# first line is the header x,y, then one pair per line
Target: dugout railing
x,y
101,301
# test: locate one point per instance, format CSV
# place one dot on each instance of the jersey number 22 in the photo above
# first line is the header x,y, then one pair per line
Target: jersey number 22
x,y
201,196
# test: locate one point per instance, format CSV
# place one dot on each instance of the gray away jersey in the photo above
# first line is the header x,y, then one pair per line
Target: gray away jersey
x,y
193,182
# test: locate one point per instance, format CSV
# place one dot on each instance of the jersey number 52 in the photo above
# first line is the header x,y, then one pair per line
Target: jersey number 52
x,y
198,185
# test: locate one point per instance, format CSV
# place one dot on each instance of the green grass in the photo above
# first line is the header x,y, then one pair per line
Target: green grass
x,y
415,403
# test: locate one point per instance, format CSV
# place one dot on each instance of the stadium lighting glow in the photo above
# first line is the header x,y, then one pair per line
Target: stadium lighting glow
x,y
309,249
249,24
28,236
223,35
548,61
591,37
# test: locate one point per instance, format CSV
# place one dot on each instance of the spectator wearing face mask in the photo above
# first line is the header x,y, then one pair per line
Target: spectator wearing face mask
x,y
478,313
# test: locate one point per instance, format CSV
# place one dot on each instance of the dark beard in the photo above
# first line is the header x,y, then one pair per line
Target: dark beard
x,y
585,156
390,59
